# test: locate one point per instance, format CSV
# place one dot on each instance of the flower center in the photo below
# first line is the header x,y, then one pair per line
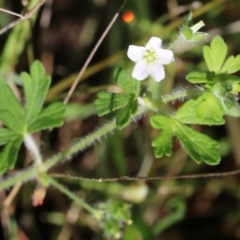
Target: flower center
x,y
150,56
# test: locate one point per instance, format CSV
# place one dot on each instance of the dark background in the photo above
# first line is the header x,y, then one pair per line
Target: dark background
x,y
64,33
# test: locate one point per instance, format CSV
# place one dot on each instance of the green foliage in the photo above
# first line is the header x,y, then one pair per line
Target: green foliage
x,y
215,54
113,215
21,121
220,87
197,77
206,110
200,147
108,102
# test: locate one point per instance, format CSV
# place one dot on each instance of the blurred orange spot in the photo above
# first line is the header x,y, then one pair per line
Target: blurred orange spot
x,y
128,17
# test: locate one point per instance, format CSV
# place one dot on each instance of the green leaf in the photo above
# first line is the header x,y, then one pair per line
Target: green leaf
x,y
230,106
126,82
124,117
230,78
108,102
51,116
6,135
11,112
231,65
160,121
200,147
205,110
35,88
197,77
8,155
208,106
163,143
134,106
215,54
21,122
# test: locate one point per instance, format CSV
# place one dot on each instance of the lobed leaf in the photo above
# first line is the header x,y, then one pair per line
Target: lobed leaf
x,y
208,106
8,155
215,54
231,65
51,116
160,121
6,135
197,77
200,147
35,88
163,143
190,115
11,112
108,102
124,117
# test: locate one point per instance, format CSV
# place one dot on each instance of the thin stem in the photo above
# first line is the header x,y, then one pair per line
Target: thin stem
x,y
10,12
22,176
71,195
92,54
85,142
141,178
26,16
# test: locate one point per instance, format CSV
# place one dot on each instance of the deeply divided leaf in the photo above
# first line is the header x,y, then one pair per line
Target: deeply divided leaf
x,y
215,54
6,135
231,65
35,88
199,112
200,147
8,155
11,112
108,102
19,120
163,143
124,117
51,116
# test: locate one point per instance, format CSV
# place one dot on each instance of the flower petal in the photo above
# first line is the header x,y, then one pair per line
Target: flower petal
x,y
157,72
165,56
135,53
140,71
154,42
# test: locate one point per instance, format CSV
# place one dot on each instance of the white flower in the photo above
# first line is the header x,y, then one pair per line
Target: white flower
x,y
150,59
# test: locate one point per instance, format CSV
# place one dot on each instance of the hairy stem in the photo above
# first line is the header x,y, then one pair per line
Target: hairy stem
x,y
181,94
81,144
33,148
